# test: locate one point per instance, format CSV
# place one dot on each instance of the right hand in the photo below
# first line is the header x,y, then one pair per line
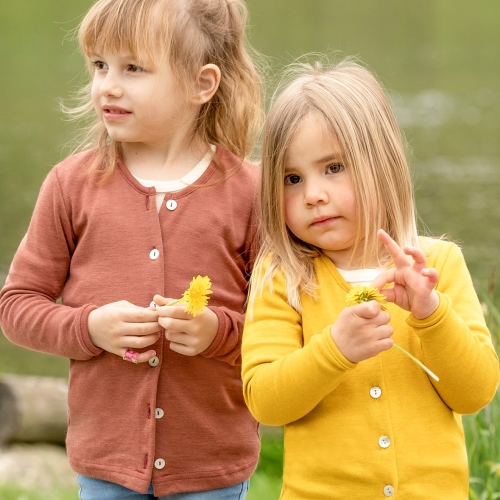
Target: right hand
x,y
121,325
362,331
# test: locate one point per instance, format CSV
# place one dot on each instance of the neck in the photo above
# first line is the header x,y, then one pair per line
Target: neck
x,y
165,160
347,262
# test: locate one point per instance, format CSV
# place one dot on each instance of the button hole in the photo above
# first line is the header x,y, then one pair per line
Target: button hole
x,y
146,459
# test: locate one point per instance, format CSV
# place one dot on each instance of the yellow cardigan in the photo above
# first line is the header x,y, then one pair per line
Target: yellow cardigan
x,y
379,428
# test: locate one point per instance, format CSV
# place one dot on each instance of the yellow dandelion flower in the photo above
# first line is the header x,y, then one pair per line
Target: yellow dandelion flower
x,y
360,293
196,296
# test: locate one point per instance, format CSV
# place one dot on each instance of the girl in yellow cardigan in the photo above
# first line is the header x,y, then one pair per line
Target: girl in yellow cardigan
x,y
362,420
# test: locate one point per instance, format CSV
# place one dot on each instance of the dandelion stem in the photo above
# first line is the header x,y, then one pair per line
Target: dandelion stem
x,y
174,302
419,363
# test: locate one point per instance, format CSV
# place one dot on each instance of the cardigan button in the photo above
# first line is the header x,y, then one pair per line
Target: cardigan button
x,y
171,204
159,463
388,490
384,442
154,254
375,392
154,361
159,413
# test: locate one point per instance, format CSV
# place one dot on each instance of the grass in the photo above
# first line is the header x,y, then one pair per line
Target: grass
x,y
11,492
265,484
482,430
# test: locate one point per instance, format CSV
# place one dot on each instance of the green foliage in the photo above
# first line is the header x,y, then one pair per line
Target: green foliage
x,y
15,359
266,481
11,492
482,430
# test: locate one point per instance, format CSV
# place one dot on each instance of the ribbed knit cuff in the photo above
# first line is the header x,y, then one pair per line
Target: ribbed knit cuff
x,y
439,315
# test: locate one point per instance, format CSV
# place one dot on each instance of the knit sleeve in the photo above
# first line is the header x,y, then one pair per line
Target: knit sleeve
x,y
226,346
456,344
29,313
283,379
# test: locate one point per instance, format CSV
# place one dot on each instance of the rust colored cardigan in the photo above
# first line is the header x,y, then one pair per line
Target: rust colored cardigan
x,y
91,246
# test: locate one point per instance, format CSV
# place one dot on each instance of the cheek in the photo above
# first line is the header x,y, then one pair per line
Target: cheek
x,y
291,212
349,199
96,97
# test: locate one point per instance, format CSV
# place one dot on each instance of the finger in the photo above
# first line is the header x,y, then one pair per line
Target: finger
x,y
139,315
395,251
367,310
135,342
162,301
177,337
385,344
431,274
384,278
389,294
419,258
139,329
182,349
175,312
384,331
179,325
135,357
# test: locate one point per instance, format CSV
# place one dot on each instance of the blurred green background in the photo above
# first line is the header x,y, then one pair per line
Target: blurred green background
x,y
439,59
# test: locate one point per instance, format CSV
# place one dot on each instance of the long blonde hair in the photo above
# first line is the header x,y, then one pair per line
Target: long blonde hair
x,y
186,34
355,109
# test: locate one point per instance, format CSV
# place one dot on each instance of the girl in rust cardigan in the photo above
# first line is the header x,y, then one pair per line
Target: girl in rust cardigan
x,y
162,196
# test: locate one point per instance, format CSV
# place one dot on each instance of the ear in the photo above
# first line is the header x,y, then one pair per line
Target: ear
x,y
207,84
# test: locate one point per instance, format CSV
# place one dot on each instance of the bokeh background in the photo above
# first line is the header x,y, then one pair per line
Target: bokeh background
x,y
439,59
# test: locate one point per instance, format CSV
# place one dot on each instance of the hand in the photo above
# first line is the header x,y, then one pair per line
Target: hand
x,y
413,288
362,331
188,335
119,326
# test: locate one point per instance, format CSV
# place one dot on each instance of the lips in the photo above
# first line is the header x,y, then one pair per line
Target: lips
x,y
324,219
114,113
115,110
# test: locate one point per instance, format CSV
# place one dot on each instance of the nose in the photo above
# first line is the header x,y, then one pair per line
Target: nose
x,y
110,85
315,192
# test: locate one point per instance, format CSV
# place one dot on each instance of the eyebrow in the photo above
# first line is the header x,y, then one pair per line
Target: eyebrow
x,y
329,157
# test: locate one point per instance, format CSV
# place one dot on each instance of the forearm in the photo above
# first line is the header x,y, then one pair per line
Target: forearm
x,y
34,321
226,346
460,352
281,383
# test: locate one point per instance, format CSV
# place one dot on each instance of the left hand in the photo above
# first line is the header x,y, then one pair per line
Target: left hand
x,y
188,335
413,288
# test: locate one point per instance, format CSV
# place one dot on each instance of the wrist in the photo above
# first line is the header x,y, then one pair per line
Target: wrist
x,y
430,307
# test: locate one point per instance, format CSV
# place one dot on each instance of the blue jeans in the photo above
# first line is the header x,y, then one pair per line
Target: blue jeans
x,y
97,489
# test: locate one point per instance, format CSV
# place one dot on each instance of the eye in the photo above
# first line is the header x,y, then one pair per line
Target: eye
x,y
292,179
99,65
133,68
335,168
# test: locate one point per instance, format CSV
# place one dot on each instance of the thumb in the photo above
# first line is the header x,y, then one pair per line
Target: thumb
x,y
162,301
367,310
384,278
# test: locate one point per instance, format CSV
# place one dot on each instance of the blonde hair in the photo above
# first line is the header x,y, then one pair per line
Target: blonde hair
x,y
186,34
356,111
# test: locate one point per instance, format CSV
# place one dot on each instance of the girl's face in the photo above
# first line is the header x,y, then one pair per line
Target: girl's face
x,y
320,204
138,104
